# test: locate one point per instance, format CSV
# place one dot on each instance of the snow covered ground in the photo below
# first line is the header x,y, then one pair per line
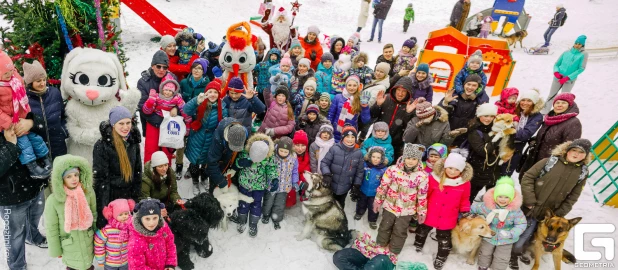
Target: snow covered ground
x,y
596,91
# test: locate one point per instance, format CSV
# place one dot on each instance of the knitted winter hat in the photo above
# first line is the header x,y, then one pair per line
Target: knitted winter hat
x,y
69,171
437,149
304,61
581,144
474,78
202,62
286,61
284,143
327,56
456,159
235,135
215,84
117,207
295,43
532,95
424,109
325,96
354,39
147,207
353,78
160,58
166,40
476,57
236,85
409,4
379,126
6,63
258,151
486,109
568,97
158,158
504,187
313,109
413,151
410,43
33,72
325,128
423,67
384,67
300,137
118,113
313,29
310,83
282,89
348,130
213,49
376,149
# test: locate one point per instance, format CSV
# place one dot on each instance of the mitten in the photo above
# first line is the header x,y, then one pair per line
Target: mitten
x,y
355,193
244,162
230,173
153,94
270,132
558,75
465,215
327,179
313,55
200,98
274,185
198,36
458,132
217,71
564,79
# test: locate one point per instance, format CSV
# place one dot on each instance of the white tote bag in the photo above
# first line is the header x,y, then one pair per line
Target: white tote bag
x,y
172,131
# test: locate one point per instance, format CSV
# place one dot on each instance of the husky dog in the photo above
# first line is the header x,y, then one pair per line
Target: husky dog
x,y
325,218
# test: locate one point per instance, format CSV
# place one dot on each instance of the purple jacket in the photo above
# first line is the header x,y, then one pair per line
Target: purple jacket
x,y
422,89
277,119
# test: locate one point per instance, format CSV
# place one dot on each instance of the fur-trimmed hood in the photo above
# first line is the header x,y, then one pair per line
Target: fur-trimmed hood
x,y
169,79
360,55
425,84
106,130
261,137
466,174
561,150
186,36
488,200
61,164
441,114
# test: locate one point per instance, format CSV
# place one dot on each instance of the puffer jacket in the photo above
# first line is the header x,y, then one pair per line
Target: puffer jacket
x,y
300,102
297,81
168,194
108,182
181,70
373,177
394,113
76,247
571,63
262,70
336,108
261,175
376,87
313,47
404,194
461,111
560,187
311,128
190,89
387,144
151,250
567,128
405,61
277,119
460,79
6,106
422,89
365,73
323,78
50,107
437,131
219,154
111,244
345,164
198,143
483,152
507,230
243,108
444,206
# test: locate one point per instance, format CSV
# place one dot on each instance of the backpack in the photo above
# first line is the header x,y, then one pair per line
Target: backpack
x,y
564,18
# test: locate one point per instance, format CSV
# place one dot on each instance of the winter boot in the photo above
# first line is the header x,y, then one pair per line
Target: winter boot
x,y
253,223
420,238
444,248
265,219
179,172
196,188
369,40
46,163
276,225
37,172
525,258
373,225
234,218
242,222
514,263
357,217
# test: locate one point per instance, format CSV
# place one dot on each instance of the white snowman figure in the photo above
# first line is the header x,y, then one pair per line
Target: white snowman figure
x,y
237,56
92,83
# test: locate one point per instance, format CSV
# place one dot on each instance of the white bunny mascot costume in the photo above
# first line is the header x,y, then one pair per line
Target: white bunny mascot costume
x,y
92,83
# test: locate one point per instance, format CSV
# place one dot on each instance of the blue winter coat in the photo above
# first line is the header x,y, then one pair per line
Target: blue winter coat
x,y
571,63
262,69
190,89
346,166
243,108
50,107
363,73
460,79
509,230
323,78
219,154
373,177
199,141
335,110
386,144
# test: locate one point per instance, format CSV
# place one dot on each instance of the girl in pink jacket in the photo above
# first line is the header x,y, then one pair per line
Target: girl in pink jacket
x,y
279,119
448,195
151,242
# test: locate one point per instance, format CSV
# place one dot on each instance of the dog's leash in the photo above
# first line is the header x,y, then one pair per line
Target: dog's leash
x,y
182,207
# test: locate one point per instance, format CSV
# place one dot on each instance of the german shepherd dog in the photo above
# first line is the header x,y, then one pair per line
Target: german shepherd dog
x,y
517,36
549,238
325,219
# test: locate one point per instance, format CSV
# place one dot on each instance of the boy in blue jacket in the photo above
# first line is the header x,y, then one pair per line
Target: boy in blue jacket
x,y
473,66
380,137
375,166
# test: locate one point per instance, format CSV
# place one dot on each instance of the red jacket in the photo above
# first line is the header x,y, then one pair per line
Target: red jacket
x,y
309,48
180,70
445,205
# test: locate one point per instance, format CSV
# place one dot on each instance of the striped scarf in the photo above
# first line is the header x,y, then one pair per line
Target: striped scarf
x,y
346,111
19,96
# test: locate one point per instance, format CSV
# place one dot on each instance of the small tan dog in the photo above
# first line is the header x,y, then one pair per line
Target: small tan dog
x,y
504,127
468,234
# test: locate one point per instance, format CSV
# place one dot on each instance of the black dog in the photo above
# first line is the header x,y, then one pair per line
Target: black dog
x,y
190,226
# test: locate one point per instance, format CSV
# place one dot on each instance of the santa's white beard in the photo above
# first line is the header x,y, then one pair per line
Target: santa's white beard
x,y
281,33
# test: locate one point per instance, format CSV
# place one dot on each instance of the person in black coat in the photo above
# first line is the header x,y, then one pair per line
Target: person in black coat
x,y
387,56
380,11
117,161
228,140
151,79
21,197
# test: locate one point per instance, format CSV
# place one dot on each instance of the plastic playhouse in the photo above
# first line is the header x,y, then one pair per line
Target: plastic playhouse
x,y
603,170
444,64
507,15
154,17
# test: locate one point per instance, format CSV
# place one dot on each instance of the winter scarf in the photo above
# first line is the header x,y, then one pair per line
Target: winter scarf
x,y
552,119
19,96
123,227
502,213
324,147
201,111
346,111
195,83
77,214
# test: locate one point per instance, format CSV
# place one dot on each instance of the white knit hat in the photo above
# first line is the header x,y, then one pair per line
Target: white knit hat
x,y
258,151
310,83
532,94
305,61
456,159
158,158
166,40
486,109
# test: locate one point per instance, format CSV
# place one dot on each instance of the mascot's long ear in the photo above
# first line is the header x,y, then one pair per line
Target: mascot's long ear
x,y
65,70
121,79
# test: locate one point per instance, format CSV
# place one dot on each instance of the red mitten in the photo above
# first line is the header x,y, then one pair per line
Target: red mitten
x,y
564,79
558,75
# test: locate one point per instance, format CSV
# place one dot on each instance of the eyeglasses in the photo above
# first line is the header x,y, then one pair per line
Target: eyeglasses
x,y
163,67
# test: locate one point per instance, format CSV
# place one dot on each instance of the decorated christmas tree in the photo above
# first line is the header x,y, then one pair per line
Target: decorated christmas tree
x,y
47,30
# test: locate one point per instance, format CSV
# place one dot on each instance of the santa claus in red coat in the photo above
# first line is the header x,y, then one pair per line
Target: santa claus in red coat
x,y
279,30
